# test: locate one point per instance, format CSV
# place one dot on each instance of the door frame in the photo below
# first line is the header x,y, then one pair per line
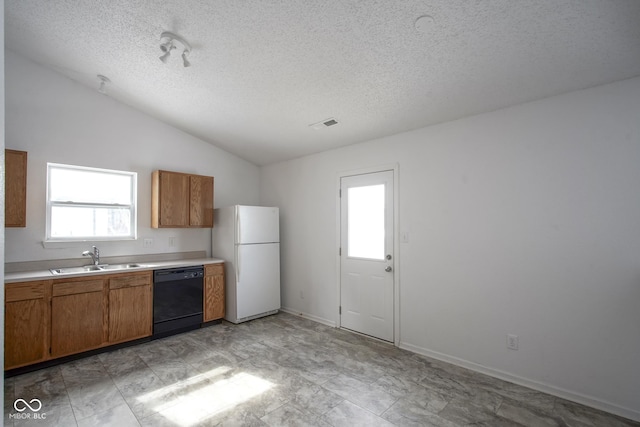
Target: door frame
x,y
393,167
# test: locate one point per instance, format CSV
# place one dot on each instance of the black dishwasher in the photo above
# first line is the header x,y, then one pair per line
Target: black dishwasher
x,y
177,300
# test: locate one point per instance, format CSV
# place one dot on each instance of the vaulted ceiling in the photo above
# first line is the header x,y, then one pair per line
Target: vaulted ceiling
x,y
263,71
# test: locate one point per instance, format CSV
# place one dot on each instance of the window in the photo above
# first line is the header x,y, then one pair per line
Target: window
x,y
365,221
90,204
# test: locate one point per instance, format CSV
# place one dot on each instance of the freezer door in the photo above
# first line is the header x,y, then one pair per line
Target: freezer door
x,y
257,224
257,279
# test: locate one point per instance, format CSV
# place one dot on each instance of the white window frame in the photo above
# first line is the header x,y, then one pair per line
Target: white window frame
x,y
132,205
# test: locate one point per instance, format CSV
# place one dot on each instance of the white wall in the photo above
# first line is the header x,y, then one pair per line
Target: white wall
x,y
57,120
524,220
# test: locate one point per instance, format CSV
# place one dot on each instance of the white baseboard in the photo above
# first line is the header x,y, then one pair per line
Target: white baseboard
x,y
309,316
535,385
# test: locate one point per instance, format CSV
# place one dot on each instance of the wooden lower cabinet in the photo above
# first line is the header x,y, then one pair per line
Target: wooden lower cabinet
x,y
213,292
130,307
78,316
48,319
26,323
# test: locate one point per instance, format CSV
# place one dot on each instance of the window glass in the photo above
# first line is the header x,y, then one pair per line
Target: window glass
x,y
90,204
365,222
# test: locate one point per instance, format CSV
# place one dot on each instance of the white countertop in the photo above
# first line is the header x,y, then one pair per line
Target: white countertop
x,y
152,265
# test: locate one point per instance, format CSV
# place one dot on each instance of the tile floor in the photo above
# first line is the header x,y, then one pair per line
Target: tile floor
x,y
281,371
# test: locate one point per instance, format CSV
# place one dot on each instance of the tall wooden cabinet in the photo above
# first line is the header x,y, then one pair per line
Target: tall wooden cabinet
x,y
213,292
180,200
15,207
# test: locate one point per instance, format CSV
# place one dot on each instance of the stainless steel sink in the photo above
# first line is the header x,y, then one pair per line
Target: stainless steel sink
x,y
93,268
72,270
122,266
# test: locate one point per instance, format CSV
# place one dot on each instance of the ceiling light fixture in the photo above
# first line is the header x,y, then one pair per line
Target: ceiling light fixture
x,y
103,82
168,43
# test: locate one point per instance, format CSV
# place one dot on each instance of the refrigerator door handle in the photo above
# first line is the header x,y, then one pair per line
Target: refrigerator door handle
x,y
238,234
237,265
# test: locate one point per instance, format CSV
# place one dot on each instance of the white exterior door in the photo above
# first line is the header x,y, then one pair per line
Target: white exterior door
x,y
366,254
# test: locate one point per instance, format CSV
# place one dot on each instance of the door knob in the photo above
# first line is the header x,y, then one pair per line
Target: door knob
x,y
388,269
388,257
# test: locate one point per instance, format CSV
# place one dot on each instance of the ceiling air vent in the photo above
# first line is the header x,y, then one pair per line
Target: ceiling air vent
x,y
324,124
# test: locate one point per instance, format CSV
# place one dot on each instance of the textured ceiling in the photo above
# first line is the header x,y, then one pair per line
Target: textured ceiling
x,y
263,71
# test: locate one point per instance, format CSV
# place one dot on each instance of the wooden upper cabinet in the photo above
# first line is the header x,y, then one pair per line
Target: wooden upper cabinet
x,y
170,199
181,200
15,207
201,201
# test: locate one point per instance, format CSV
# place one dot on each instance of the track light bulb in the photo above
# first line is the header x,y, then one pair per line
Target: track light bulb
x,y
166,56
185,61
167,46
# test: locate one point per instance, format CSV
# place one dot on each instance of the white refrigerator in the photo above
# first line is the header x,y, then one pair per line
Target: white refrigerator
x,y
247,238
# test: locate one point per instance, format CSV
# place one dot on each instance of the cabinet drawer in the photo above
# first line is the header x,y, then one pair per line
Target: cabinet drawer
x,y
23,291
130,280
71,288
213,269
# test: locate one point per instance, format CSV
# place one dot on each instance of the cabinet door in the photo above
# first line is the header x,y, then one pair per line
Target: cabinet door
x,y
214,292
173,200
78,316
15,209
26,327
130,307
201,201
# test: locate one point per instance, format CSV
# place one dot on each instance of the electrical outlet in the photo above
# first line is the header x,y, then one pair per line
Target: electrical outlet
x,y
172,241
148,243
301,294
512,342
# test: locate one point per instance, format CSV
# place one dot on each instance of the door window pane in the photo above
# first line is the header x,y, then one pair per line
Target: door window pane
x,y
365,222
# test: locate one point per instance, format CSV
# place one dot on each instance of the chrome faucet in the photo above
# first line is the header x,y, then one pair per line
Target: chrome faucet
x,y
95,255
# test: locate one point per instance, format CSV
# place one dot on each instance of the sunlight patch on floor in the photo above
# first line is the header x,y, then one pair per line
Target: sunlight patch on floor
x,y
188,401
